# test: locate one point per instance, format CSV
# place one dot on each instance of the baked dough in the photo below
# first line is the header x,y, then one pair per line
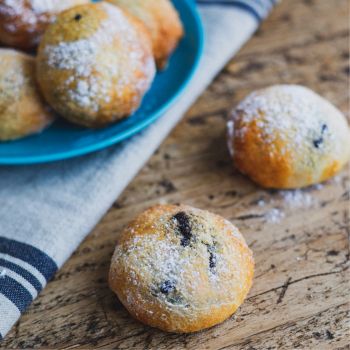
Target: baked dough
x,y
287,136
163,22
22,109
181,269
22,22
95,64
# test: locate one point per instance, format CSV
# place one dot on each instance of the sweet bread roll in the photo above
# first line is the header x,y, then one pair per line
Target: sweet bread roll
x,y
22,110
163,22
95,64
22,22
181,269
287,136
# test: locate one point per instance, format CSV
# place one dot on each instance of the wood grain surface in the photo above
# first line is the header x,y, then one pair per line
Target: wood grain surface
x,y
301,288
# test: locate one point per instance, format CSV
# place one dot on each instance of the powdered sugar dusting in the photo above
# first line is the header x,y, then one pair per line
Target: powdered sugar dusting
x,y
207,270
13,79
53,6
94,68
77,55
297,199
42,6
33,11
230,134
274,215
87,90
288,200
289,113
14,9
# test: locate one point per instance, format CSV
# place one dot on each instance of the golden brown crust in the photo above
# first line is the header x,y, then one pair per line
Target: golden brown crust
x,y
22,22
162,21
95,64
181,283
253,157
286,136
22,109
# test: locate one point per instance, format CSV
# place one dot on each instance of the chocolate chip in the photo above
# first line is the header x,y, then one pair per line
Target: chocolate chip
x,y
185,242
78,17
184,226
212,260
317,143
212,257
167,287
168,291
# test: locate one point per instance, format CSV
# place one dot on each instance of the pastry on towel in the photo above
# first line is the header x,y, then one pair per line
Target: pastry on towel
x,y
95,64
22,22
181,269
22,110
162,21
287,136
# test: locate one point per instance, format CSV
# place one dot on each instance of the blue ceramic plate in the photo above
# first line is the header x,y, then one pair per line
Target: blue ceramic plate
x,y
64,140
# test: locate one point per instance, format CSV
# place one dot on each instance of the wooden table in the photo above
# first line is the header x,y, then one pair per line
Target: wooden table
x,y
299,298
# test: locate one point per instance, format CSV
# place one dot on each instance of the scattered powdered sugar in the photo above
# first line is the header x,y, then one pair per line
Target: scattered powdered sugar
x,y
261,203
230,134
336,179
318,186
285,200
274,215
288,199
297,199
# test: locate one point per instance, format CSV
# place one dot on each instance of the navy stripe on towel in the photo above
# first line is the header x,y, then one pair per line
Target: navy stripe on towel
x,y
257,8
31,255
238,4
15,292
23,273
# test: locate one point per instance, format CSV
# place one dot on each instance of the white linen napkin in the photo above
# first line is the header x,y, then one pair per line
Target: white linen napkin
x,y
47,210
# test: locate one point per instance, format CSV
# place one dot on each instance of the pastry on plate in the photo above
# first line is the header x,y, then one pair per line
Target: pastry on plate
x,y
95,64
22,110
22,22
181,269
162,21
287,136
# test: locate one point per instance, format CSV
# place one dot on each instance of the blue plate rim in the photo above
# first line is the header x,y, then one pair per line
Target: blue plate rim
x,y
39,159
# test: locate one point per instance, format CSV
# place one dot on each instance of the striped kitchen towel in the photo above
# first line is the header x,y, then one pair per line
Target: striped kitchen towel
x,y
47,210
